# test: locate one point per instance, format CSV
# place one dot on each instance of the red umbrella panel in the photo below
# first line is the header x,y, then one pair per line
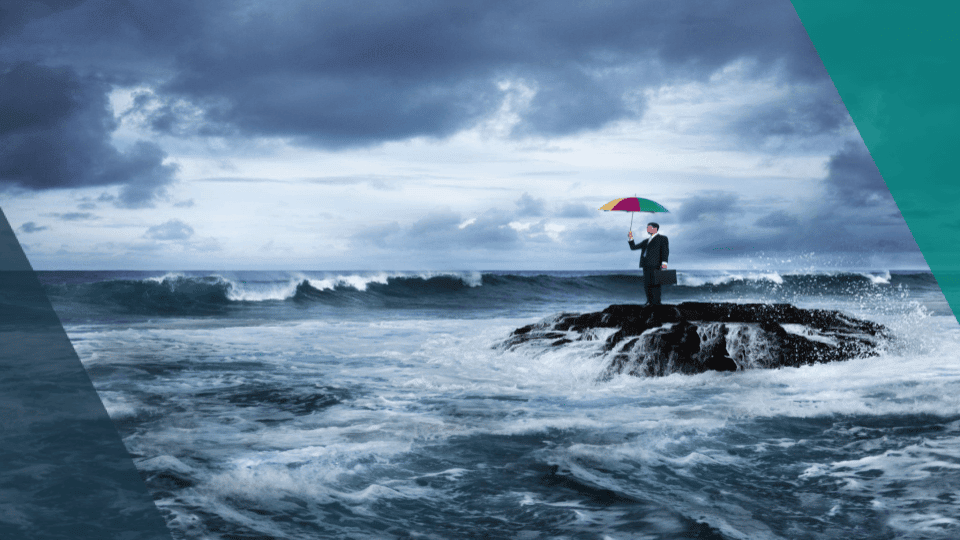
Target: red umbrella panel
x,y
633,204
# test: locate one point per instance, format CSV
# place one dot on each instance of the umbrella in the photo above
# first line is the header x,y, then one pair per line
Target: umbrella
x,y
633,204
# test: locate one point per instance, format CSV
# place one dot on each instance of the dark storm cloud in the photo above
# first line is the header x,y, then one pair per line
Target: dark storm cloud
x,y
444,230
55,131
31,227
708,220
855,181
860,211
537,233
528,206
437,230
75,216
570,101
491,231
777,220
595,238
804,113
342,73
14,14
709,207
851,212
577,210
170,230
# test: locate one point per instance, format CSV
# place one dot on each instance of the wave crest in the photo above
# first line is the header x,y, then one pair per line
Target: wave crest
x,y
182,293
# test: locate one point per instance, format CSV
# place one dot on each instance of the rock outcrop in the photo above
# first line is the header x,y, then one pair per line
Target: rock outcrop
x,y
694,337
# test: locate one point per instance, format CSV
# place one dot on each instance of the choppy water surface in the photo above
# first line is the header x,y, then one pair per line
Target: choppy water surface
x,y
366,405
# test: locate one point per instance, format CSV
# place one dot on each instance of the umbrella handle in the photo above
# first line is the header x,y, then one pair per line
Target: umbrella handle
x,y
631,221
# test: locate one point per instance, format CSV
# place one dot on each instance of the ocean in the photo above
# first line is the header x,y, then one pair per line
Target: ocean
x,y
378,405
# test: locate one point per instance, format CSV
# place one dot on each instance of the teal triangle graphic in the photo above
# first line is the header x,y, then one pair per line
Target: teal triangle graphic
x,y
64,471
895,66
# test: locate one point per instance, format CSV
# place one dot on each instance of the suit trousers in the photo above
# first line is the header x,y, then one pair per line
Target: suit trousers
x,y
650,286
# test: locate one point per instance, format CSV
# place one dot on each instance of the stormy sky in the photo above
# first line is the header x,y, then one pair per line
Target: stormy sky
x,y
429,135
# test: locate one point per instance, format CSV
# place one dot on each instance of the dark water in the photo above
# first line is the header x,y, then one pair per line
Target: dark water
x,y
375,405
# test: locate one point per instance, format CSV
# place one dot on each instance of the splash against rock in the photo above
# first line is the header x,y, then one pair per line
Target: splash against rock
x,y
695,337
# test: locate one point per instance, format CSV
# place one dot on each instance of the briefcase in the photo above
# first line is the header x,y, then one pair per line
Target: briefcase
x,y
665,277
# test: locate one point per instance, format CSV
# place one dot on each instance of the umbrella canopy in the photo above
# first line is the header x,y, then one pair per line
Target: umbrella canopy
x,y
633,204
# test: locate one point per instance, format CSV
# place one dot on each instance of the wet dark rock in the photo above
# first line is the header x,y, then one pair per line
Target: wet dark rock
x,y
694,337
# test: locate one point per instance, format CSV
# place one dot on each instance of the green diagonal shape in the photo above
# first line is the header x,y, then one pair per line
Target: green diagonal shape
x,y
896,67
64,471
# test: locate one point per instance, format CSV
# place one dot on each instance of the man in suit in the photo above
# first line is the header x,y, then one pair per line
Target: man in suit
x,y
653,256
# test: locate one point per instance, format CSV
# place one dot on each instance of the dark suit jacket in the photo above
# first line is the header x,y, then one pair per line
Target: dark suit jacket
x,y
655,252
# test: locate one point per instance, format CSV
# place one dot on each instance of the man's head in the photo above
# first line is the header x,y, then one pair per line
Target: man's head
x,y
652,228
